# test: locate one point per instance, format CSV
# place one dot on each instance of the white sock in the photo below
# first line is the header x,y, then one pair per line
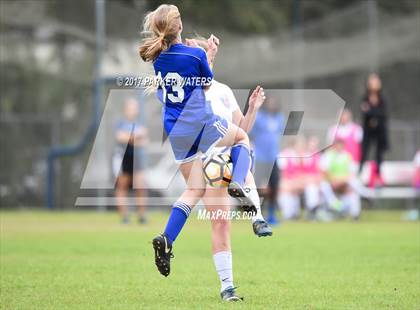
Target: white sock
x,y
223,263
288,206
253,194
311,194
358,186
353,203
328,193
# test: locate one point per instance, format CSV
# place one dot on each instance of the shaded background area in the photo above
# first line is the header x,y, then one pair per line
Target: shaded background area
x,y
47,65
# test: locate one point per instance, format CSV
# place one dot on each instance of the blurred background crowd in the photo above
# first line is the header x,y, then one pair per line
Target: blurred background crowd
x,y
61,107
331,183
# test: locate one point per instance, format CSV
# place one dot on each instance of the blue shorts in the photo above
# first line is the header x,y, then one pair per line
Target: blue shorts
x,y
189,145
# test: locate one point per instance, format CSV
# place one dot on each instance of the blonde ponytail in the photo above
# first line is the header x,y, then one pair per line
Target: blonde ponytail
x,y
161,27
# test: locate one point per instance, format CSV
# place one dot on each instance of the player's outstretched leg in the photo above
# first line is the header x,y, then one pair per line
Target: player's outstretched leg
x,y
162,244
241,161
259,224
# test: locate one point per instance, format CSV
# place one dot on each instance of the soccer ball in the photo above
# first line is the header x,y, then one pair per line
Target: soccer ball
x,y
217,170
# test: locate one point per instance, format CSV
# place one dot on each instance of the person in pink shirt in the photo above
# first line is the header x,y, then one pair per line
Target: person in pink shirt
x,y
310,163
292,182
316,189
350,133
416,178
312,177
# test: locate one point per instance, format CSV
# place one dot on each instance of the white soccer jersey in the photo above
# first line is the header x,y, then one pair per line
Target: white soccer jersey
x,y
223,103
222,100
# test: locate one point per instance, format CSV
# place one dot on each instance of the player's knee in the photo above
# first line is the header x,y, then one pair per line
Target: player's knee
x,y
221,225
220,230
196,192
242,137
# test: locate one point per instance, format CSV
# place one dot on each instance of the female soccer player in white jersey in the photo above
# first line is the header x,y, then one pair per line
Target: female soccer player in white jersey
x,y
224,104
183,73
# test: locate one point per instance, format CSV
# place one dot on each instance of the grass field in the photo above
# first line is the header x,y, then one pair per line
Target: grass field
x,y
90,261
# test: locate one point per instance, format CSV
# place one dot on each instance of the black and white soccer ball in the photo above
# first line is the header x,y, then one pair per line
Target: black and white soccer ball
x,y
217,170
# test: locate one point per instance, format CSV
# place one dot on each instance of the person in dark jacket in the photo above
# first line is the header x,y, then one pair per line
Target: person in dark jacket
x,y
375,127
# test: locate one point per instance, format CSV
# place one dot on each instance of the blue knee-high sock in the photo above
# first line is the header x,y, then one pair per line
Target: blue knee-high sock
x,y
241,161
179,214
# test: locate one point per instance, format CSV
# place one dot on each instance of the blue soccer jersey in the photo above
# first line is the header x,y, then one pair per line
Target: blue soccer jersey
x,y
188,119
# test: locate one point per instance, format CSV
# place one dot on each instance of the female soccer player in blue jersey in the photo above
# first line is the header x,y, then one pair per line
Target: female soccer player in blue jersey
x,y
183,73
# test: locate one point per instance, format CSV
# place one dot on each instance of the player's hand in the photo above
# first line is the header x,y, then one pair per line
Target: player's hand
x,y
191,42
214,40
257,98
213,43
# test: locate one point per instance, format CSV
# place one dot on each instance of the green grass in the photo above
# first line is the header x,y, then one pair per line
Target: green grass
x,y
90,261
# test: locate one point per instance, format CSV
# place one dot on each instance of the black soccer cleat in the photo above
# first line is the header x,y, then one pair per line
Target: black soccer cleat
x,y
229,294
235,190
262,229
163,254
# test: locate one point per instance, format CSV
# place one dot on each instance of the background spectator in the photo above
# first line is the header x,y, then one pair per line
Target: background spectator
x,y
375,127
340,169
292,183
128,162
416,162
350,132
265,135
